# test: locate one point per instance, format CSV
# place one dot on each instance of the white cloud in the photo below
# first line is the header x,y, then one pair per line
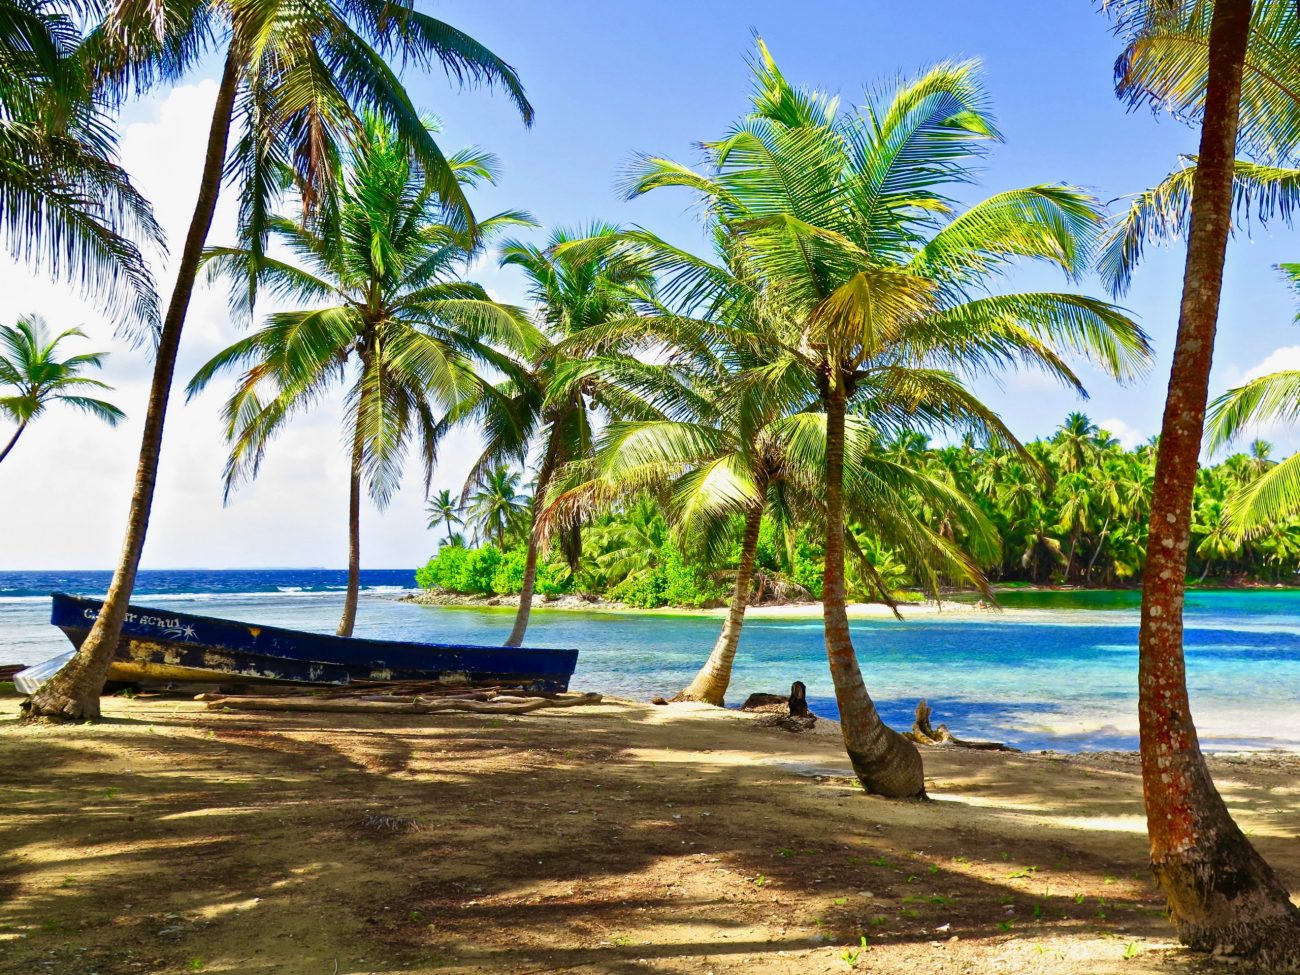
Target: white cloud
x,y
65,489
1279,360
1128,435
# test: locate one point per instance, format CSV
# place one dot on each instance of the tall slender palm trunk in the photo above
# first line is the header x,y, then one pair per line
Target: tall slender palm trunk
x,y
1101,541
529,585
884,761
710,684
13,440
73,693
1221,893
349,617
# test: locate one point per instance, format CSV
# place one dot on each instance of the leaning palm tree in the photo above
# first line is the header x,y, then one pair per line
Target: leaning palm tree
x,y
844,218
552,399
66,204
444,510
743,451
1229,67
37,378
294,76
395,324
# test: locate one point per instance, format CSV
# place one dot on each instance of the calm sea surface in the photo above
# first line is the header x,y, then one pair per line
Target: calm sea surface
x,y
1054,670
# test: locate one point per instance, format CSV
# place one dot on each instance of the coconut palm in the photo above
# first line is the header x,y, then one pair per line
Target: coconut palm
x,y
32,377
747,451
391,321
552,399
66,205
497,505
1272,493
294,76
444,510
1192,58
845,222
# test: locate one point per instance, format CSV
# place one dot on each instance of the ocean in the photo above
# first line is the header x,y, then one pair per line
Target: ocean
x,y
1051,671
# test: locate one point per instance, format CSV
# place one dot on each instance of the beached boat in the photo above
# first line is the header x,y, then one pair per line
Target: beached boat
x,y
163,646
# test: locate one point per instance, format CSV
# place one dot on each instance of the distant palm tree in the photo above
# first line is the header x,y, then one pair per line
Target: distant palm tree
x,y
33,378
1075,442
555,396
497,504
393,322
444,510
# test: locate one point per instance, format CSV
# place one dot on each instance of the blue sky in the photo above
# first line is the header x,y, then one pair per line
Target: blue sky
x,y
609,80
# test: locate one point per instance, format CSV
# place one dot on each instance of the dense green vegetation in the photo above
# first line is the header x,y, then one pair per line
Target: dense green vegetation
x,y
1069,509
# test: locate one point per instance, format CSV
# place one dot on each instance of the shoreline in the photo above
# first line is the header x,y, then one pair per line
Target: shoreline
x,y
595,604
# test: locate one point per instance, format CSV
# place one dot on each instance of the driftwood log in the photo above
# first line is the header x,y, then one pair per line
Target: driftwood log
x,y
923,734
501,704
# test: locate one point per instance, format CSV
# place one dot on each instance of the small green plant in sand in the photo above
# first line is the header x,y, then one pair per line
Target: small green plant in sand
x,y
1131,950
850,955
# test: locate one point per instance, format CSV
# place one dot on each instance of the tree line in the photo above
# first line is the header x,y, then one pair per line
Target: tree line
x,y
779,381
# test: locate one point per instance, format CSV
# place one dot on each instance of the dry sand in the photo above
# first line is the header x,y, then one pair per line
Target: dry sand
x,y
614,839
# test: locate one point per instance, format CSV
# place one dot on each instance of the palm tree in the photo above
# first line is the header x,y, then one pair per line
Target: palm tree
x,y
497,504
1190,58
1271,493
397,327
1075,443
293,77
553,398
29,366
845,222
444,510
66,205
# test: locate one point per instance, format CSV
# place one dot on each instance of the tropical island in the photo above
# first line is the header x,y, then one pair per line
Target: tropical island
x,y
797,401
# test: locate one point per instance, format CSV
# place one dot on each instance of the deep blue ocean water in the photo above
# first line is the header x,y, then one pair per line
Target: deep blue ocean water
x,y
1054,670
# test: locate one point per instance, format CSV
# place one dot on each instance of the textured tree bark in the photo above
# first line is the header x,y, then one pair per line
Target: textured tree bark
x,y
349,617
885,762
13,440
516,637
73,693
710,684
1222,895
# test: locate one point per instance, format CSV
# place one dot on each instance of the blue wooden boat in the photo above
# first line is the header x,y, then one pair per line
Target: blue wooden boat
x,y
163,646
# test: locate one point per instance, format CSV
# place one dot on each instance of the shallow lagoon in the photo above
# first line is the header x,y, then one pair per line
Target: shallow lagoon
x,y
1054,670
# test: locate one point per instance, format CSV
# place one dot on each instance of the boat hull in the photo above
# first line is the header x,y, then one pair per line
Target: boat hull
x,y
164,646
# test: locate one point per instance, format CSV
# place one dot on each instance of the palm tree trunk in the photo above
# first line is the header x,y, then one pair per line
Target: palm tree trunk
x,y
1105,527
349,618
885,762
1221,893
516,637
710,684
13,440
73,693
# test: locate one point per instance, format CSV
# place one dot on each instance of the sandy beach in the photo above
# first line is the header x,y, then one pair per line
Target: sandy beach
x,y
807,610
616,838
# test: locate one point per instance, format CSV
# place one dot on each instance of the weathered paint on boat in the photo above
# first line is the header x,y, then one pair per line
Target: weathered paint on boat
x,y
161,645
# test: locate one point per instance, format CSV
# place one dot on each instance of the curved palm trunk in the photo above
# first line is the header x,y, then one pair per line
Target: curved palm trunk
x,y
13,440
1087,575
1221,893
710,684
349,618
884,761
73,693
516,637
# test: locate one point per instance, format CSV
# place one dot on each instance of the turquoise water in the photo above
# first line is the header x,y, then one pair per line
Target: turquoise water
x,y
1054,670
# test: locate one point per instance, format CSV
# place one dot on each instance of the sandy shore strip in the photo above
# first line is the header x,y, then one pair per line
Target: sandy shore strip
x,y
808,610
620,838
